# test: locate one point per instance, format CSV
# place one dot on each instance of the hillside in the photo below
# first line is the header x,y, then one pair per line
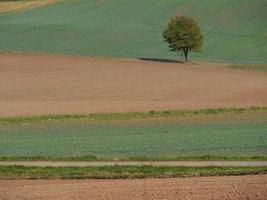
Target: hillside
x,y
235,31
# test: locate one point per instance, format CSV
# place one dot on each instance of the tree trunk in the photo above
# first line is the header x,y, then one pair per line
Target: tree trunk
x,y
186,55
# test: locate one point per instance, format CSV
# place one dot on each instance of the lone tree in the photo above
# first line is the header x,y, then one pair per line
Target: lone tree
x,y
183,35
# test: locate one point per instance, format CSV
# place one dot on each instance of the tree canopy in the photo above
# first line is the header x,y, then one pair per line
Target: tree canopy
x,y
183,35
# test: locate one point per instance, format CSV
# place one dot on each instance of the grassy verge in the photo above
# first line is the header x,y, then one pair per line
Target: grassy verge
x,y
129,115
20,172
178,158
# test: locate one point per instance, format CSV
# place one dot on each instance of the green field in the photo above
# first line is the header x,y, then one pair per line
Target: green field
x,y
235,31
213,135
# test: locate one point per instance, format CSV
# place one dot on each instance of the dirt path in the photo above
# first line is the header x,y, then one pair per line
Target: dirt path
x,y
216,188
137,163
35,85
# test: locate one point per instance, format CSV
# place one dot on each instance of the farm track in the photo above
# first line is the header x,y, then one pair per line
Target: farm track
x,y
137,163
231,187
39,84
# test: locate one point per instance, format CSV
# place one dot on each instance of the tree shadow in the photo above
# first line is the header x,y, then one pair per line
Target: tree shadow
x,y
161,60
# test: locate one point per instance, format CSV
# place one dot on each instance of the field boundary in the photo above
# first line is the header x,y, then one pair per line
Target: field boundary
x,y
137,163
92,158
121,172
128,115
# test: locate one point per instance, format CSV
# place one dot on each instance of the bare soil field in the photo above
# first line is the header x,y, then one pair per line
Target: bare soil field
x,y
39,84
232,187
11,6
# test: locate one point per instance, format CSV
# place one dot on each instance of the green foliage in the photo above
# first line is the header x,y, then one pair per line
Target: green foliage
x,y
235,31
20,172
183,34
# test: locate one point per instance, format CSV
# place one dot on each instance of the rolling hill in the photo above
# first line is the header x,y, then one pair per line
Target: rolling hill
x,y
234,30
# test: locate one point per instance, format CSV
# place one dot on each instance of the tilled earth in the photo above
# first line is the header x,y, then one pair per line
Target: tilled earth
x,y
231,187
39,84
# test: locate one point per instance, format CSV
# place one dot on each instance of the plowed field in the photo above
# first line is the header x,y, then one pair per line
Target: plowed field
x,y
35,85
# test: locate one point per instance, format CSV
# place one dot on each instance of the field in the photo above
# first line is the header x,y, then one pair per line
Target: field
x,y
85,87
235,31
38,85
89,90
222,135
237,187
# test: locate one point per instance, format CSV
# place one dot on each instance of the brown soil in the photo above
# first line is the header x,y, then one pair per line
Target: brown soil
x,y
38,84
233,187
11,6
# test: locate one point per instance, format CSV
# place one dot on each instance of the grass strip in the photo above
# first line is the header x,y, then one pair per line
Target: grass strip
x,y
114,172
128,115
178,158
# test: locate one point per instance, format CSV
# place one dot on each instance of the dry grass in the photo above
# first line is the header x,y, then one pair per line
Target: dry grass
x,y
11,6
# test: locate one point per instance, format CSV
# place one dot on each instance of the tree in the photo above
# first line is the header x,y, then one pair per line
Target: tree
x,y
183,35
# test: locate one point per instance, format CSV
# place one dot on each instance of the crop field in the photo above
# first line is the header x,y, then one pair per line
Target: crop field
x,y
233,135
89,89
235,31
209,188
